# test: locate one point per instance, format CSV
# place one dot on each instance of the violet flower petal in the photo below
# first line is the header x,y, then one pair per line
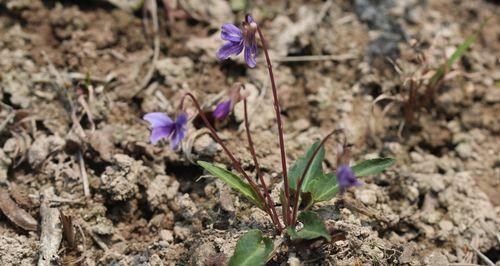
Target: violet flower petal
x,y
228,49
158,119
222,110
249,18
250,55
158,133
230,32
179,131
177,138
181,119
347,178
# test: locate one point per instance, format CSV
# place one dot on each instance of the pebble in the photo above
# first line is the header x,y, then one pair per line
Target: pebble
x,y
435,258
167,236
464,150
301,124
368,197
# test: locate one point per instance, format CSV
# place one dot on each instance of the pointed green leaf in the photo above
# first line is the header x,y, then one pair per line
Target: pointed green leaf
x,y
461,49
313,227
323,187
372,166
252,249
233,181
315,169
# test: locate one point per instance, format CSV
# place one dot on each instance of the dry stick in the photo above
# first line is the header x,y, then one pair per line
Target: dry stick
x,y
306,169
83,174
286,205
51,232
236,163
153,9
482,256
257,168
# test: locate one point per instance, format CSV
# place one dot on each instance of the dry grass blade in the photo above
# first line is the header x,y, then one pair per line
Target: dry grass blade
x,y
482,256
15,214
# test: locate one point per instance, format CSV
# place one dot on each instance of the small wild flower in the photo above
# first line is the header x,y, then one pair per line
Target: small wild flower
x,y
238,40
304,184
347,178
222,110
162,126
236,94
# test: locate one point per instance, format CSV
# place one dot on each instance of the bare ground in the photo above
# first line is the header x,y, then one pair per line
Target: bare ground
x,y
147,205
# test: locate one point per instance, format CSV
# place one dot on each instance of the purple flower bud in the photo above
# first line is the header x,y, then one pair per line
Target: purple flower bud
x,y
347,178
238,40
222,110
162,126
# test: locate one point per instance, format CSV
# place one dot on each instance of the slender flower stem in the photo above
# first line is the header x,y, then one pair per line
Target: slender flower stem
x,y
257,169
306,169
236,163
277,109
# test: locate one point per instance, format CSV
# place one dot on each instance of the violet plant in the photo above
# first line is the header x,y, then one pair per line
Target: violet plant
x,y
304,184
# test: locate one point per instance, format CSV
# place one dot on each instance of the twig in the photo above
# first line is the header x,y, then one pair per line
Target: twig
x,y
83,175
463,264
57,199
150,5
51,235
277,109
15,214
309,58
482,256
251,147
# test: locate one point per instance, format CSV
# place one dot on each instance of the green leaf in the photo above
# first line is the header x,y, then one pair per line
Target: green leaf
x,y
238,5
233,181
461,49
373,166
316,168
313,227
252,249
323,187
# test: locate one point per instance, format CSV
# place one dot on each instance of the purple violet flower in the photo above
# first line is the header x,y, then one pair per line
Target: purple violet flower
x,y
238,40
347,178
162,126
222,110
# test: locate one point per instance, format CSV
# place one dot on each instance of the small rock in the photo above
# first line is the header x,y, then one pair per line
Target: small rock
x,y
161,189
367,196
430,217
166,235
446,225
301,124
120,179
416,157
181,232
435,258
205,146
492,95
411,193
464,150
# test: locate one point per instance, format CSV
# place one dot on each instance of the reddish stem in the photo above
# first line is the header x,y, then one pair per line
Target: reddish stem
x,y
277,109
251,147
308,165
236,163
